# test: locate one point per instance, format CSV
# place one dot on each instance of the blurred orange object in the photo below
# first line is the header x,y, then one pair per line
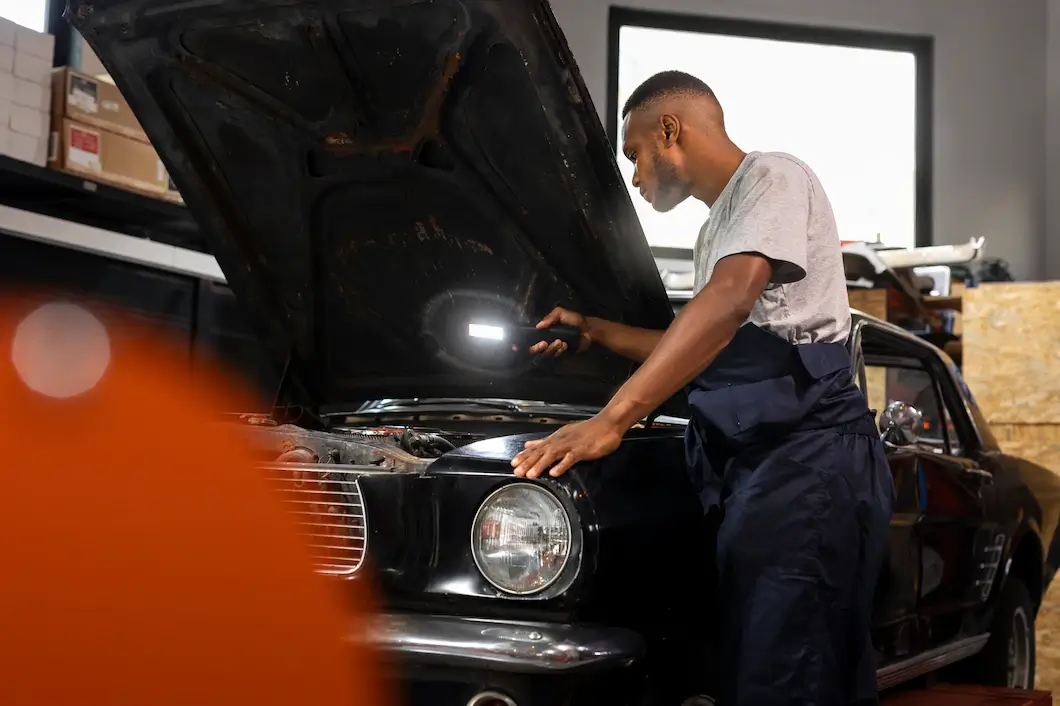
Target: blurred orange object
x,y
145,561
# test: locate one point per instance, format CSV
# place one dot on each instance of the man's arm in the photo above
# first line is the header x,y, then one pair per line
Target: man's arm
x,y
703,328
628,341
765,242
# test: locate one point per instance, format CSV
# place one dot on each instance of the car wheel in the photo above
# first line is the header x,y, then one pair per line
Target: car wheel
x,y
1009,656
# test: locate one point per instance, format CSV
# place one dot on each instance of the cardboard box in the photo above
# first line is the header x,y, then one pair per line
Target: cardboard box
x,y
37,44
35,95
7,59
28,121
87,61
106,157
32,68
90,101
8,30
171,193
28,149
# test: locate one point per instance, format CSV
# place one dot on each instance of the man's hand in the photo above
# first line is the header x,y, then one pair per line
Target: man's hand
x,y
581,441
561,317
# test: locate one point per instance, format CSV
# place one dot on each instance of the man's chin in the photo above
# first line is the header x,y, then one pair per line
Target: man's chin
x,y
665,205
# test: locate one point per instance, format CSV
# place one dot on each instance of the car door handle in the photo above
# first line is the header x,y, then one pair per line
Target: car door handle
x,y
979,475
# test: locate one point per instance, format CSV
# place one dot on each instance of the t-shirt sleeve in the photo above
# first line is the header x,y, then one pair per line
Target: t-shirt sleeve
x,y
771,217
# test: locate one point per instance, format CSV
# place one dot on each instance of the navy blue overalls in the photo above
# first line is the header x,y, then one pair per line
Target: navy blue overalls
x,y
783,447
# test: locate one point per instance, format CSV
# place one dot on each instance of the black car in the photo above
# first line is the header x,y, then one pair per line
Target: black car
x,y
396,190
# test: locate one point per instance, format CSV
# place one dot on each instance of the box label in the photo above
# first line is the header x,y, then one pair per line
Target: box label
x,y
84,149
84,94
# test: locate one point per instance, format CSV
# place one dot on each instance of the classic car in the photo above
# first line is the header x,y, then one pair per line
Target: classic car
x,y
396,190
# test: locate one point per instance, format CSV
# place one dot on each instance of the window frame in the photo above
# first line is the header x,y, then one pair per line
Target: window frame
x,y
921,46
920,365
905,345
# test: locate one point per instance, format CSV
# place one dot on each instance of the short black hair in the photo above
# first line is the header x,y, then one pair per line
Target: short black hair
x,y
662,84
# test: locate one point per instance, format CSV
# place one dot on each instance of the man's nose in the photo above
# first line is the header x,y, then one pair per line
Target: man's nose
x,y
636,179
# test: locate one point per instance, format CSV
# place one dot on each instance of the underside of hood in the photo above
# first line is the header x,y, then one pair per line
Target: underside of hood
x,y
374,176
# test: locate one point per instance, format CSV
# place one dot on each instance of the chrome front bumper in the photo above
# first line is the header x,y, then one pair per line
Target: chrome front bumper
x,y
500,645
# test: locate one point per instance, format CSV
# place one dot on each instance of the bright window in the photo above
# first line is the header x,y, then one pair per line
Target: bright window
x,y
28,13
850,113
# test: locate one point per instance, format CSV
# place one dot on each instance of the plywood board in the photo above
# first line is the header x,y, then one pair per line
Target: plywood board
x,y
957,289
874,303
870,301
1047,644
1011,347
1039,444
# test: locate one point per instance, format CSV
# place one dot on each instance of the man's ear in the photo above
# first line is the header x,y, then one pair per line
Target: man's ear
x,y
670,127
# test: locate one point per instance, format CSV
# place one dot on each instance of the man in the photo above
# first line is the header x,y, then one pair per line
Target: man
x,y
781,444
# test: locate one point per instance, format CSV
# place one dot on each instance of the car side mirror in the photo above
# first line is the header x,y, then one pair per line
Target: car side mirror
x,y
901,424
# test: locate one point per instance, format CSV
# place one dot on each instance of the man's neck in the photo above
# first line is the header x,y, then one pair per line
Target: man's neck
x,y
714,172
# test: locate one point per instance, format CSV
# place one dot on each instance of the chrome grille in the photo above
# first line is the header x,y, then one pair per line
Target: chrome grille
x,y
327,506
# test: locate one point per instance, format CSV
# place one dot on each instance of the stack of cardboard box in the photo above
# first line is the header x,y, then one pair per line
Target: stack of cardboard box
x,y
96,135
25,92
74,121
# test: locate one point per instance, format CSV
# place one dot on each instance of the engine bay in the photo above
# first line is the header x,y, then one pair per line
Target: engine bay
x,y
401,448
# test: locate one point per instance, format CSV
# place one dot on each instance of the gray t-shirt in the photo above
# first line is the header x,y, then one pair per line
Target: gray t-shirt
x,y
775,206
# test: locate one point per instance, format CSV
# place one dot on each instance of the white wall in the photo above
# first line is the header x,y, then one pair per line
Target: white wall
x,y
990,101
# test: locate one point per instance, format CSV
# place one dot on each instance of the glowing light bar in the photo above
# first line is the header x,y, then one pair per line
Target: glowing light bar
x,y
493,333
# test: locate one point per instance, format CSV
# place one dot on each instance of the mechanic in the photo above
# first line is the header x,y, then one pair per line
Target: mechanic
x,y
781,444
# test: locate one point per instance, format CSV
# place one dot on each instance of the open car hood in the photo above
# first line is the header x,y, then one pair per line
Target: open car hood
x,y
374,175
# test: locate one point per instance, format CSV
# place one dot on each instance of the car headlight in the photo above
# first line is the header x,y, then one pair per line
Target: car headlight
x,y
521,538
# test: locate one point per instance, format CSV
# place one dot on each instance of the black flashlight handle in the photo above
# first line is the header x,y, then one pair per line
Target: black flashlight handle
x,y
571,335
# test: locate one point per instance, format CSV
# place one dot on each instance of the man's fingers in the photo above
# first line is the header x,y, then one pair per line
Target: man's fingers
x,y
549,455
541,463
564,465
551,319
531,444
551,350
522,457
556,348
524,462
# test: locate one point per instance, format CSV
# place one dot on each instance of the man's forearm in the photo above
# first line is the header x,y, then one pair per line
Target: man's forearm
x,y
703,328
628,341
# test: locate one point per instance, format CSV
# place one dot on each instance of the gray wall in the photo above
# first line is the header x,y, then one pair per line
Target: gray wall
x,y
990,102
1052,144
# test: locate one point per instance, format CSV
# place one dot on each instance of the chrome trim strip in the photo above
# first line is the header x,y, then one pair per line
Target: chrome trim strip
x,y
500,645
139,251
551,648
929,661
490,697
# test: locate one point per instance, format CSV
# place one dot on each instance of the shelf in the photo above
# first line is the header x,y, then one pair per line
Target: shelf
x,y
936,303
48,192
